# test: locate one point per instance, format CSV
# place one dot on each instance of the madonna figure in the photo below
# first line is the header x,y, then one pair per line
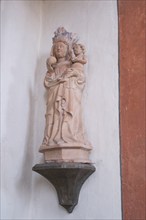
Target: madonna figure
x,y
64,136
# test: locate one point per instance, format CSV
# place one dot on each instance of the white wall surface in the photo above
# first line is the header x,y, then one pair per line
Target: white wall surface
x,y
20,37
27,31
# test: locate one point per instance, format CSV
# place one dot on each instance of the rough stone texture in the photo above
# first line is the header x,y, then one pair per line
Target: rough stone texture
x,y
132,107
67,178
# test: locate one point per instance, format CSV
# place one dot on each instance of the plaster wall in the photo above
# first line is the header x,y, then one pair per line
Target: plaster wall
x,y
20,34
27,31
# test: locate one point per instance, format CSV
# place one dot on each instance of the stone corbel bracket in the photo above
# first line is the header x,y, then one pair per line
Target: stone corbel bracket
x,y
67,178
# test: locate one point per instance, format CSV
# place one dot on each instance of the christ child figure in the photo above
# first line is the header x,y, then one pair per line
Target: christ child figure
x,y
78,55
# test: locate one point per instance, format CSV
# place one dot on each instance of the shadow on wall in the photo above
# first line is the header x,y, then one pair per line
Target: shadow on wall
x,y
34,134
26,174
21,127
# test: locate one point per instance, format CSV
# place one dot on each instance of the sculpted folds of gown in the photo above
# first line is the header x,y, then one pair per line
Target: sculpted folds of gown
x,y
64,136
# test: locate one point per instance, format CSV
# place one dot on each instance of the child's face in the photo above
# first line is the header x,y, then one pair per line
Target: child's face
x,y
77,49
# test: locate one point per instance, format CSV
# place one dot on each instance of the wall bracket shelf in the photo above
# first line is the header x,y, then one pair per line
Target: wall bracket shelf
x,y
67,178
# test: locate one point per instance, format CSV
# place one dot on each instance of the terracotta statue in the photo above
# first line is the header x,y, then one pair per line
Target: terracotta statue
x,y
64,136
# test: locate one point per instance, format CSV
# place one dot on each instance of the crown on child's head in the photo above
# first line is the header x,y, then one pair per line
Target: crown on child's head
x,y
61,35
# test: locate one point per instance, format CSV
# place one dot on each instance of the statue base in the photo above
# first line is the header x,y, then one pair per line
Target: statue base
x,y
77,154
67,178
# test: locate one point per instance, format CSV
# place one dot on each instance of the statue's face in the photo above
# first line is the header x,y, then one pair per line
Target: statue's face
x,y
60,50
77,49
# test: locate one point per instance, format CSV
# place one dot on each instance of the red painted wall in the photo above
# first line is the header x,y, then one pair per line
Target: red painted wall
x,y
132,41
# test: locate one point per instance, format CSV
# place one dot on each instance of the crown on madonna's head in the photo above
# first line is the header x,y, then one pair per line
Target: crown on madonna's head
x,y
61,35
